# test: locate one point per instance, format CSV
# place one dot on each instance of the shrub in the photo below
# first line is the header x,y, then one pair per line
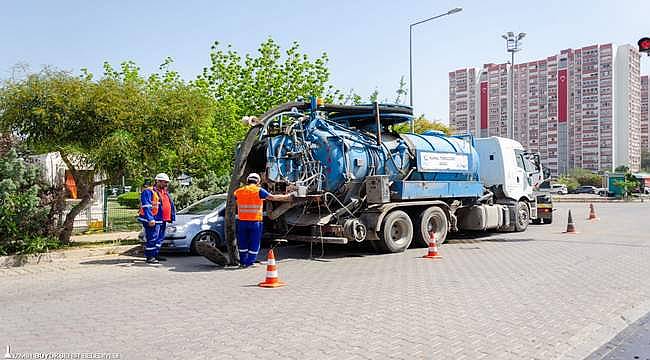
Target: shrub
x,y
209,184
130,200
585,177
570,183
25,211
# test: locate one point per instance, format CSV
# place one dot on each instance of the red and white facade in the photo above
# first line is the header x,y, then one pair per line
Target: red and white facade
x,y
564,107
645,120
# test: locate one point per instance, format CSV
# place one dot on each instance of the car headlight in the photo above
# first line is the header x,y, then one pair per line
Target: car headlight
x,y
176,228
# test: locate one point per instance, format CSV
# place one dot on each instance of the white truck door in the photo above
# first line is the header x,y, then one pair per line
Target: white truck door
x,y
522,185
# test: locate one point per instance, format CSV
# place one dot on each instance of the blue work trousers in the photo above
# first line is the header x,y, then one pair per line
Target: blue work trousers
x,y
154,236
249,237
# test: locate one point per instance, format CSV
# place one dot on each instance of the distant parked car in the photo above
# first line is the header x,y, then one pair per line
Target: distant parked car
x,y
560,189
201,221
603,192
587,190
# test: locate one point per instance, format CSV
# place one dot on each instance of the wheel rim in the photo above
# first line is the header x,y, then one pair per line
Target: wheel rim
x,y
523,215
398,231
434,224
209,238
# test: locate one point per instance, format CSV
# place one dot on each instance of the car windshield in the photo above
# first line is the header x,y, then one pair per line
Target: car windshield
x,y
204,206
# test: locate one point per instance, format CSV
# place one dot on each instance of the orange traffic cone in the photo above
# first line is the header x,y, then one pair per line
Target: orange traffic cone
x,y
433,247
272,280
592,213
570,227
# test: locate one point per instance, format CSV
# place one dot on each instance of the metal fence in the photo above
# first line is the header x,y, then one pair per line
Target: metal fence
x,y
105,213
118,217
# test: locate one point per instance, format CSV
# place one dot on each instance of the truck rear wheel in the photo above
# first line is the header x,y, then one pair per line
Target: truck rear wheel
x,y
522,216
432,219
396,232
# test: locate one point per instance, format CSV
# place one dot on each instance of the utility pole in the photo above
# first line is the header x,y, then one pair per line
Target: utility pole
x,y
452,11
512,46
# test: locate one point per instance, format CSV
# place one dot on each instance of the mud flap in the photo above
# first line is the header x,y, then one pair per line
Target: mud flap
x,y
207,250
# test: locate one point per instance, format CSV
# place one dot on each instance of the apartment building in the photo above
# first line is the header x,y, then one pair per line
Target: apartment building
x,y
627,144
462,100
566,107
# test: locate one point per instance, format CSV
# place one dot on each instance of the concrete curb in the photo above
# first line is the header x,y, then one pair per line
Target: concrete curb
x,y
595,200
99,237
68,254
590,339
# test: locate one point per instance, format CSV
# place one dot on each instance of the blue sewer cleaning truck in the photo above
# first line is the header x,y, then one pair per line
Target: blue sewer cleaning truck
x,y
357,180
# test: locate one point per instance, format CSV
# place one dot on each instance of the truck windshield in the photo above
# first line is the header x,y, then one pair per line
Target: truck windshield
x,y
525,161
519,155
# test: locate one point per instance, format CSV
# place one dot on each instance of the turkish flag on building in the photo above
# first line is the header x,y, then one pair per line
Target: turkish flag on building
x,y
562,100
484,105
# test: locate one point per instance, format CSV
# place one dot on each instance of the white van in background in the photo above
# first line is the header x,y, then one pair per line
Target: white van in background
x,y
559,189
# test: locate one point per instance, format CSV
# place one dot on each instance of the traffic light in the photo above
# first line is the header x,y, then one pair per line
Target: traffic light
x,y
644,45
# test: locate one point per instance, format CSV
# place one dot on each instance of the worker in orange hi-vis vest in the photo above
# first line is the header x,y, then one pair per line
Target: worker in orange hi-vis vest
x,y
156,210
250,209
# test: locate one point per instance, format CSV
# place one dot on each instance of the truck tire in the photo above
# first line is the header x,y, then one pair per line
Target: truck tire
x,y
433,218
522,216
549,220
396,232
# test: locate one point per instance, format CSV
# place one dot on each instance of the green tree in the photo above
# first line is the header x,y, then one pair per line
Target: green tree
x,y
622,168
374,96
628,184
401,91
586,177
421,124
253,84
121,125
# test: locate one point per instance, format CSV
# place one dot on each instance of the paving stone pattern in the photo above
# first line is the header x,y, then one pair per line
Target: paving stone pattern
x,y
539,294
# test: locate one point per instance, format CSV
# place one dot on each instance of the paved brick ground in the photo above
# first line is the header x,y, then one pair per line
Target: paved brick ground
x,y
534,295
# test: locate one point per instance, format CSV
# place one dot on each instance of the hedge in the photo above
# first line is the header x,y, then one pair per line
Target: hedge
x,y
130,200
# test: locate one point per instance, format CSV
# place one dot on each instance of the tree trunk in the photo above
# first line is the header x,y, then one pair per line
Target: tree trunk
x,y
85,181
68,224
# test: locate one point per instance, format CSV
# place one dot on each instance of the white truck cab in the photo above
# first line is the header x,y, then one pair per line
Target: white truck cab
x,y
505,168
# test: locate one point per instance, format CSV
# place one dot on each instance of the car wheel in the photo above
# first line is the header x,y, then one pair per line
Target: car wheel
x,y
208,236
537,221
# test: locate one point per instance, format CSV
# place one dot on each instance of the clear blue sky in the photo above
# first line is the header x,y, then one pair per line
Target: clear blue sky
x,y
367,41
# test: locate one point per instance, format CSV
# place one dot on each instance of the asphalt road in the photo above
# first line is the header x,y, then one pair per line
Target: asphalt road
x,y
540,294
631,343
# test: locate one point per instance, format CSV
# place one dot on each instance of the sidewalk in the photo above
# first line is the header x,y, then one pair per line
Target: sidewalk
x,y
84,246
101,237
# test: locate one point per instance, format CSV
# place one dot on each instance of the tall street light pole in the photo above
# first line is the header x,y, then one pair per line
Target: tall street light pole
x,y
512,46
452,11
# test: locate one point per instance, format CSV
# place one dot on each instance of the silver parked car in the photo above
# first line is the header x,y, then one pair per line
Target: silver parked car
x,y
201,221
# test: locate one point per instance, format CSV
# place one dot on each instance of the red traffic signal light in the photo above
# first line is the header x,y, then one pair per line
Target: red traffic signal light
x,y
644,45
